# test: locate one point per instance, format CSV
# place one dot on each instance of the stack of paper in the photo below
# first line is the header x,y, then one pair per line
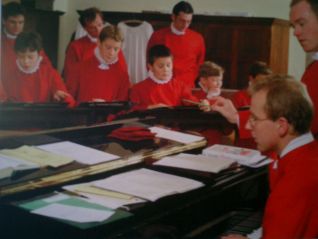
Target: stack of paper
x,y
101,196
196,162
175,136
79,153
36,156
243,156
148,184
9,165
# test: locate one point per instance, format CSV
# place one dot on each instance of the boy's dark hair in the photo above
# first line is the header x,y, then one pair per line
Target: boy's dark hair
x,y
182,6
158,51
259,68
12,9
28,41
89,15
313,4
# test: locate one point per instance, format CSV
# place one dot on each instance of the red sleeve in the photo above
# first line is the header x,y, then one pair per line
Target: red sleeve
x,y
71,61
72,84
136,98
123,92
243,118
201,55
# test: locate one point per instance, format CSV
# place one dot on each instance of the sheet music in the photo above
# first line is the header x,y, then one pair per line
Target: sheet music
x,y
243,156
73,213
175,136
37,156
148,184
196,162
80,153
101,196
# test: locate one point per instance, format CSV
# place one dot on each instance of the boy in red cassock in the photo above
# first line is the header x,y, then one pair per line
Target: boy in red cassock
x,y
32,79
160,89
101,77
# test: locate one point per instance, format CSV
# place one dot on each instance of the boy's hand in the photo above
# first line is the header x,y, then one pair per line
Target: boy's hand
x,y
60,95
204,105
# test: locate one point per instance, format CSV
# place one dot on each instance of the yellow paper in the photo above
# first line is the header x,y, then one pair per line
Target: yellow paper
x,y
37,156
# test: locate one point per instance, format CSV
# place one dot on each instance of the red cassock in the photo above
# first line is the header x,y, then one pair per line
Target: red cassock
x,y
188,52
37,87
90,82
148,92
241,99
80,50
292,207
310,79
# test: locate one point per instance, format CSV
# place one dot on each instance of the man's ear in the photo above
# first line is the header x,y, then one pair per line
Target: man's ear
x,y
283,126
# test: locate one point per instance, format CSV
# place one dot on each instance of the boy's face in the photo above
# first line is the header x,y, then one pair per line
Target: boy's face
x,y
14,24
162,68
109,49
94,27
28,59
212,83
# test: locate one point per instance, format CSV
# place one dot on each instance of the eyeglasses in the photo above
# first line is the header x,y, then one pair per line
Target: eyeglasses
x,y
253,120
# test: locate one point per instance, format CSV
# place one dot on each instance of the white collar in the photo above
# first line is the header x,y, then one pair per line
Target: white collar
x,y
176,31
315,56
103,64
210,94
297,142
92,39
34,69
156,80
8,35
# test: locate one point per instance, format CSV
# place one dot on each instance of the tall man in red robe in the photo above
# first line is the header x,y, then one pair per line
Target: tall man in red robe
x,y
304,19
186,45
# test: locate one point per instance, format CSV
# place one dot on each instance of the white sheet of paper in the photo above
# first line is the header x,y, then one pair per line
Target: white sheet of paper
x,y
196,162
80,153
148,184
175,136
72,213
110,202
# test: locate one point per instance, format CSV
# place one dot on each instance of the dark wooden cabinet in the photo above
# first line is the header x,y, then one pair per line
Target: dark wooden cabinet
x,y
46,23
233,42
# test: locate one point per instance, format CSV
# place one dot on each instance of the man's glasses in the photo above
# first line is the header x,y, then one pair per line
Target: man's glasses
x,y
253,120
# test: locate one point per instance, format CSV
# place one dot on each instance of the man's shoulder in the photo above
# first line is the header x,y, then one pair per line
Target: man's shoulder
x,y
194,33
80,42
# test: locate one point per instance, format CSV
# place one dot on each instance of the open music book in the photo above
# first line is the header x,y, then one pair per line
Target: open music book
x,y
243,156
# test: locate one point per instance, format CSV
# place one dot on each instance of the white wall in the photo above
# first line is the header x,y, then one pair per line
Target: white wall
x,y
259,8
